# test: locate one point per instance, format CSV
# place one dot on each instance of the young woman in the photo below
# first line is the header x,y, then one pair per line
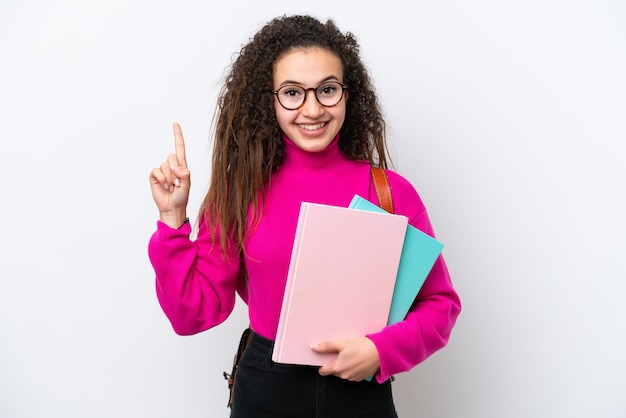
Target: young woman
x,y
297,120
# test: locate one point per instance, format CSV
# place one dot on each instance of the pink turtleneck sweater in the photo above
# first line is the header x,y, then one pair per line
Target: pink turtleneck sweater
x,y
197,288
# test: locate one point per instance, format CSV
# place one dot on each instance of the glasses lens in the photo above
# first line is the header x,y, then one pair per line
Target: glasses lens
x,y
291,97
329,94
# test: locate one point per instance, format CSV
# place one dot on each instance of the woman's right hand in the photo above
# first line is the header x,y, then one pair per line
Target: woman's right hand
x,y
170,184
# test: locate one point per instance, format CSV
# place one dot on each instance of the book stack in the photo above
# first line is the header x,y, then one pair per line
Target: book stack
x,y
352,271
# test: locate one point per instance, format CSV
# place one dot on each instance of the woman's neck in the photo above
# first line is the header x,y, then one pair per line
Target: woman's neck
x,y
295,157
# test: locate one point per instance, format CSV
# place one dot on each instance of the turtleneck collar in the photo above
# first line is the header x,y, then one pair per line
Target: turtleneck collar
x,y
295,156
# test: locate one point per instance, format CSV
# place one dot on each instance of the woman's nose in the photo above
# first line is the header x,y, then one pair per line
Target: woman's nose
x,y
311,107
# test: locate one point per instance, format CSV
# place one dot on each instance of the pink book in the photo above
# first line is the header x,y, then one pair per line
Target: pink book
x,y
341,278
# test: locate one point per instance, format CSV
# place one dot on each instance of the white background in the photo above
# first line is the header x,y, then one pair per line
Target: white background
x,y
508,116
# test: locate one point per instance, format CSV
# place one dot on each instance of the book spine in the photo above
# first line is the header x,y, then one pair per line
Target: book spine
x,y
284,312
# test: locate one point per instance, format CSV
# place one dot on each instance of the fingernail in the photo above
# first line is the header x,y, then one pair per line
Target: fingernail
x,y
176,182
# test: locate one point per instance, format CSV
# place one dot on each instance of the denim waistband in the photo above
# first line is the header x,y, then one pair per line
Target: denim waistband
x,y
261,342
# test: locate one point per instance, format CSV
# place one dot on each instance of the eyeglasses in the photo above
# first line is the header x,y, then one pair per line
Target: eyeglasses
x,y
328,94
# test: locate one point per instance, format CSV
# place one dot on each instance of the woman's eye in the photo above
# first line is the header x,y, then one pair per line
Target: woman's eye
x,y
292,92
327,89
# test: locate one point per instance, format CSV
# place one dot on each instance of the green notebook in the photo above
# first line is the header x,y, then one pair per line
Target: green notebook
x,y
419,253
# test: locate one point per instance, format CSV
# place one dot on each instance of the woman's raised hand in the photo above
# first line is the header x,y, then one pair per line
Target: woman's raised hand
x,y
170,184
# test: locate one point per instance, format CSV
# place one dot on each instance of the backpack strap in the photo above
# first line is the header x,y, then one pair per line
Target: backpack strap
x,y
383,191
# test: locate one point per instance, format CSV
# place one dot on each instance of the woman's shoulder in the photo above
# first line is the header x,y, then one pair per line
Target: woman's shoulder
x,y
406,198
401,184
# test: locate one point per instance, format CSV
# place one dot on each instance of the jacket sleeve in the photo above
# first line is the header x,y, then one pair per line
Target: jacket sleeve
x,y
428,325
195,283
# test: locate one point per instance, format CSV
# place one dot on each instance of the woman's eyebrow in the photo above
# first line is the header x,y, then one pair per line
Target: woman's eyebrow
x,y
288,82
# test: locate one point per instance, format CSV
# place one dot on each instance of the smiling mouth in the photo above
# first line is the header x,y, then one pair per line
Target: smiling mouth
x,y
313,127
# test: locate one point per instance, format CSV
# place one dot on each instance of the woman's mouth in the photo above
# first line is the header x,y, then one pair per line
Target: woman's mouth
x,y
312,127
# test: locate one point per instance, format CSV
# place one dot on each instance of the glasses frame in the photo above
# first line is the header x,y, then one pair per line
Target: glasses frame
x,y
344,87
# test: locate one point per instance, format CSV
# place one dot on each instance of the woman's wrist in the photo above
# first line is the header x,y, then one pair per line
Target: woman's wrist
x,y
174,220
185,221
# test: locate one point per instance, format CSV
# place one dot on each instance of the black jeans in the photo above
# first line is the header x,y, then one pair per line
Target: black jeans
x,y
267,389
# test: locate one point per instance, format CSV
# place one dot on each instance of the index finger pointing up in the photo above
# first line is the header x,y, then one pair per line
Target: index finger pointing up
x,y
179,143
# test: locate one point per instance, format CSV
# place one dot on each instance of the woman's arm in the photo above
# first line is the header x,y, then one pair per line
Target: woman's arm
x,y
195,284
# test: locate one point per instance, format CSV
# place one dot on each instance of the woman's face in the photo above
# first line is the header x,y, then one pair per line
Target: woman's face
x,y
312,126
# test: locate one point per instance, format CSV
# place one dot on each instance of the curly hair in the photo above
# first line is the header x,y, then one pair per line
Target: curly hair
x,y
248,146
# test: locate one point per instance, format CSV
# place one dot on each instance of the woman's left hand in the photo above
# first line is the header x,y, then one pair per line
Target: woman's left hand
x,y
357,358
